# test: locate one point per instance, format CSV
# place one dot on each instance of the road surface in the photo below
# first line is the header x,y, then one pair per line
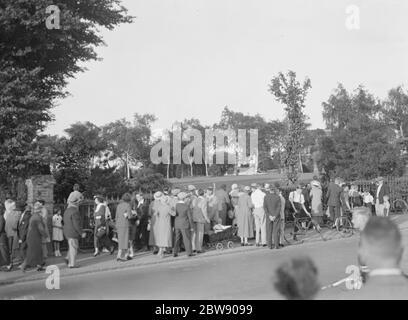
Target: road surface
x,y
240,275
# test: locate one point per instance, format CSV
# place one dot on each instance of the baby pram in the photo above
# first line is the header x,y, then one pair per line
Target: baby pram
x,y
221,238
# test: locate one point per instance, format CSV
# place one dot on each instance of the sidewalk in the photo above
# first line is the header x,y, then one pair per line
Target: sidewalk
x,y
104,262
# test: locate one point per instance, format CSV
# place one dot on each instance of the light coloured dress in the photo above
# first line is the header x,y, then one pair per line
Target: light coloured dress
x,y
160,232
244,216
123,211
317,206
57,233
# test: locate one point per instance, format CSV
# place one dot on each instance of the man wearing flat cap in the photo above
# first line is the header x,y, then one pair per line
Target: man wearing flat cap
x,y
382,191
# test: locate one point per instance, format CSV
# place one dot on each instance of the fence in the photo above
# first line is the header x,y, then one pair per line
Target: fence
x,y
86,211
398,188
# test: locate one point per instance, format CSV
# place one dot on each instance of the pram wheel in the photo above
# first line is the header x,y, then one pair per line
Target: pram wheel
x,y
219,246
230,244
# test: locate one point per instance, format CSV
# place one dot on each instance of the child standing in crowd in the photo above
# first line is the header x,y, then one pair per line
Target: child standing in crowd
x,y
368,199
356,199
386,205
57,233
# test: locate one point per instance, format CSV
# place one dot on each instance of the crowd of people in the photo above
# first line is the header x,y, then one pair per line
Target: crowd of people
x,y
178,219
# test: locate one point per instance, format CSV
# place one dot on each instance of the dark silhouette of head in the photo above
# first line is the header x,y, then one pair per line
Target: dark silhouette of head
x,y
297,279
380,244
126,197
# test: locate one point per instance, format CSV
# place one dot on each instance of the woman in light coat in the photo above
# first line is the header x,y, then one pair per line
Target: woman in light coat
x,y
316,195
244,216
161,213
123,212
36,234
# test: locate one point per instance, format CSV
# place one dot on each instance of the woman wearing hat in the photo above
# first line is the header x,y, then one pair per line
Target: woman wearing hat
x,y
316,196
101,239
123,212
36,234
152,226
160,212
244,216
234,194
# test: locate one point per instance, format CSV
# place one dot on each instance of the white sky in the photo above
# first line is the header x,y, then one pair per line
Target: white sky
x,y
190,58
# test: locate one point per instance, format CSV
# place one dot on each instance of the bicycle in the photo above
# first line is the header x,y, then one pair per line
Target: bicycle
x,y
345,227
88,241
303,225
400,205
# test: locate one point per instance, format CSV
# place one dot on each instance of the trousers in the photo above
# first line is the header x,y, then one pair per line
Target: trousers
x,y
186,235
73,245
260,225
198,235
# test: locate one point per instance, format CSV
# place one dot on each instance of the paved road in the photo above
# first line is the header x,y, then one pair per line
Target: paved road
x,y
245,275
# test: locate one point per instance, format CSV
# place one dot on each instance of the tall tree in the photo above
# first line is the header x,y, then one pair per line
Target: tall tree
x,y
361,145
292,94
396,114
130,142
35,65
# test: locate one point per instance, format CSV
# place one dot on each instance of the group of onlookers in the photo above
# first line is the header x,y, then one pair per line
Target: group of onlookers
x,y
178,219
24,234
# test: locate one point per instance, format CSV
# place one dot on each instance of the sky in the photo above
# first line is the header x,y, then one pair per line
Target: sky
x,y
191,58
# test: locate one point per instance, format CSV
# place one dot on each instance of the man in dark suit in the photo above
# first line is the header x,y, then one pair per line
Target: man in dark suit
x,y
272,207
72,231
4,252
183,225
382,190
381,251
22,230
142,234
333,200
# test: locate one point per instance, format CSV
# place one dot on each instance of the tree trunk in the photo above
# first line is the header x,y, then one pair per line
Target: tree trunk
x,y
300,163
168,168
